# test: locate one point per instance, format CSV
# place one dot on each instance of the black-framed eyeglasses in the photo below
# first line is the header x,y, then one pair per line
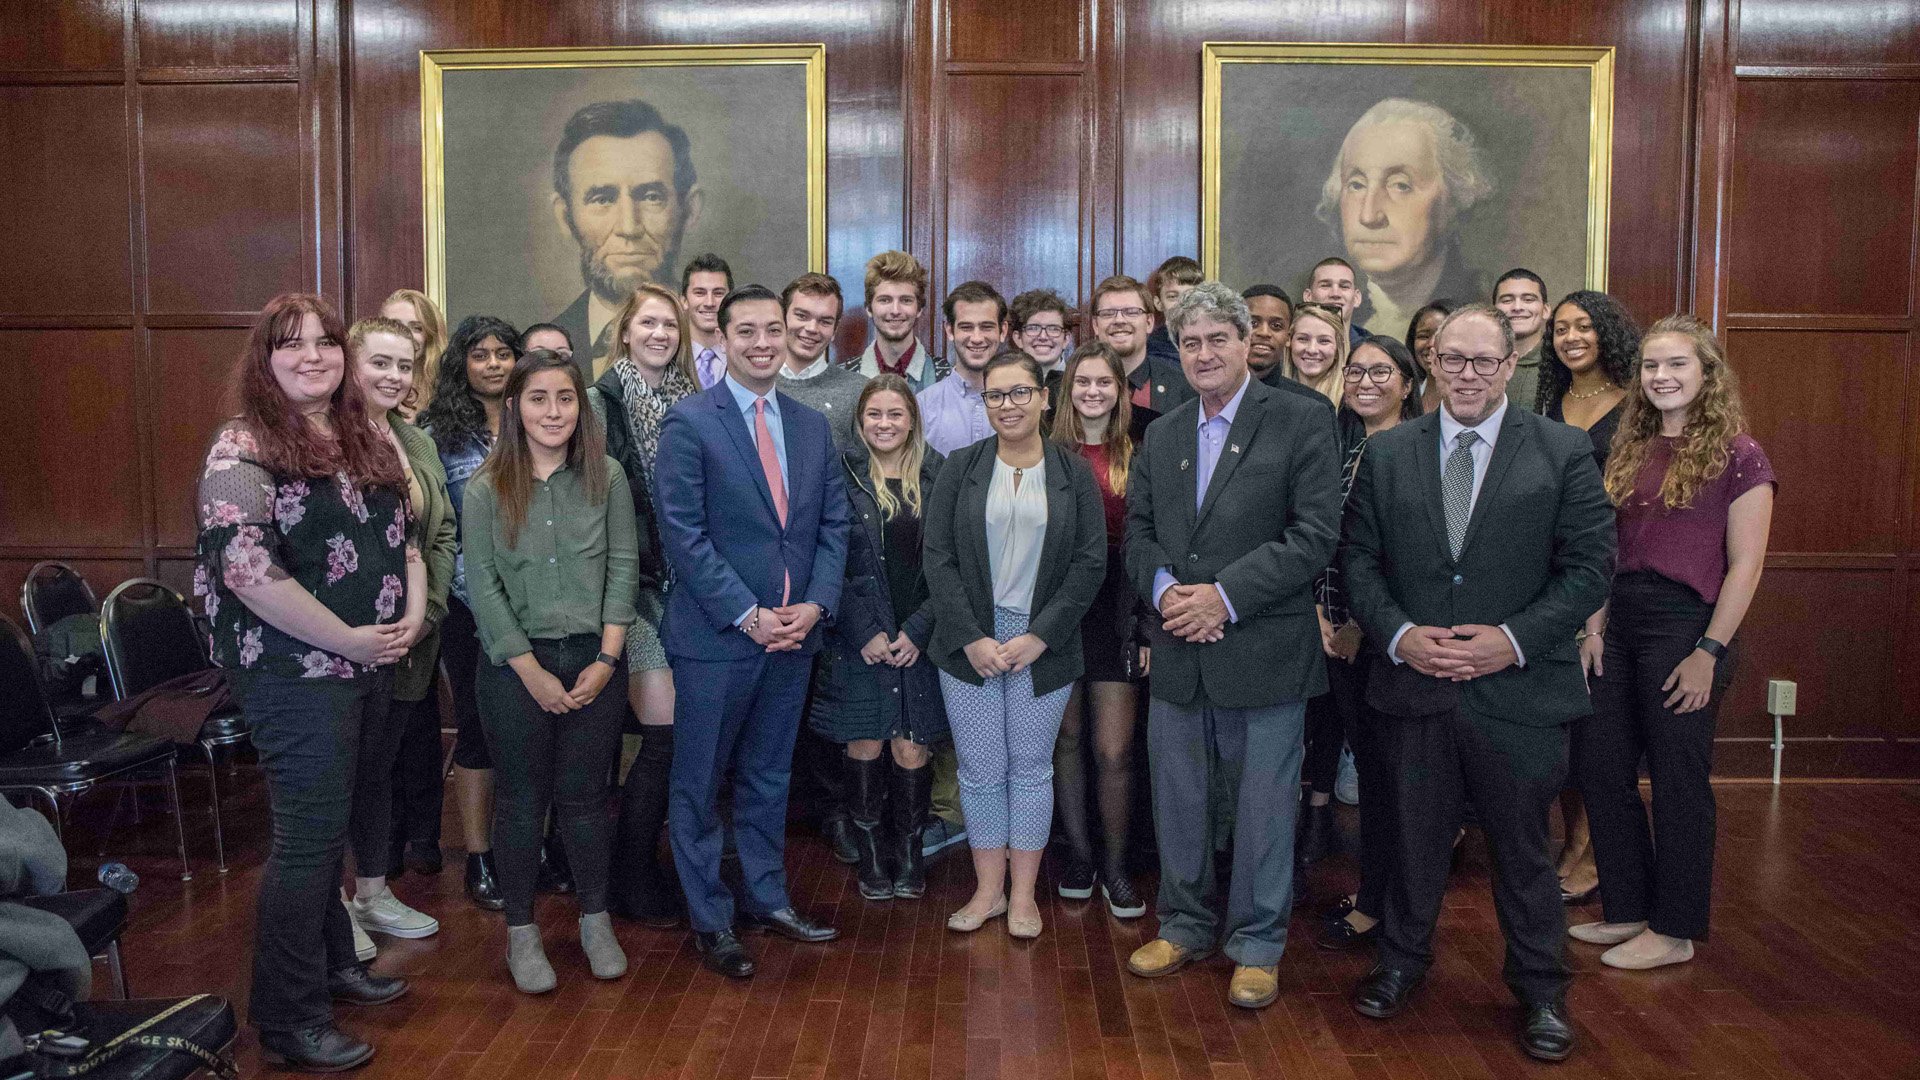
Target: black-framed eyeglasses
x,y
1454,363
1378,374
1120,313
1044,333
1019,395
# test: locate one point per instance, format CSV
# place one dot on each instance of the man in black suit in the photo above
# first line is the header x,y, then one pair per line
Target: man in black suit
x,y
1479,539
625,191
1233,511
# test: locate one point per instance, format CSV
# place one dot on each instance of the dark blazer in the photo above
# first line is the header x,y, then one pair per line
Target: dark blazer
x,y
1265,531
574,322
1073,561
1538,558
625,449
719,530
1168,382
852,699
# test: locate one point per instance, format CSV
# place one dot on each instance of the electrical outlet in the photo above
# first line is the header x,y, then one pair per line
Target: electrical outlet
x,y
1782,696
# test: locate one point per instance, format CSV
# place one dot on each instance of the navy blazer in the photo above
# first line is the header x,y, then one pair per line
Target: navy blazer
x,y
719,531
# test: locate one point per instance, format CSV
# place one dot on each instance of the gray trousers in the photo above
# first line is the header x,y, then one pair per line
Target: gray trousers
x,y
1256,754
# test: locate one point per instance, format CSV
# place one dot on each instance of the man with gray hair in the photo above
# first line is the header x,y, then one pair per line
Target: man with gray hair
x,y
1233,511
1406,175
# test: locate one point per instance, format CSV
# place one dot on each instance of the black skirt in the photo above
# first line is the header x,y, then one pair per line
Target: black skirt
x,y
1107,633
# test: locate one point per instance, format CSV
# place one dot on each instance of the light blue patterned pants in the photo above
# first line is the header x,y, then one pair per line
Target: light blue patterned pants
x,y
1004,737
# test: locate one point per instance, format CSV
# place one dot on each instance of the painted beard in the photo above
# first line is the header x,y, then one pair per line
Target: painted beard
x,y
614,287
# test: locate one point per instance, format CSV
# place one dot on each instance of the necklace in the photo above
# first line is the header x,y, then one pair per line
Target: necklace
x,y
1572,396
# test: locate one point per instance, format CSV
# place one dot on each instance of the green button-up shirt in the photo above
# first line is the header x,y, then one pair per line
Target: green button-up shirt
x,y
573,568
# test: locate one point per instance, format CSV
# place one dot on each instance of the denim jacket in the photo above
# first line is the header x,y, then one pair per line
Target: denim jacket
x,y
461,464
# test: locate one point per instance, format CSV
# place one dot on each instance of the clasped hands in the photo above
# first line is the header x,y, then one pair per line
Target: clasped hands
x,y
1457,653
554,696
782,629
990,657
380,644
899,652
1196,613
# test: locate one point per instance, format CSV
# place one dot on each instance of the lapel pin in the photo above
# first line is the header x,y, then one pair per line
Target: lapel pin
x,y
1183,464
1235,447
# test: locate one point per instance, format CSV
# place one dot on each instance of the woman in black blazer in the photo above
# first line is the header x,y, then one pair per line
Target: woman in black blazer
x,y
874,685
1016,549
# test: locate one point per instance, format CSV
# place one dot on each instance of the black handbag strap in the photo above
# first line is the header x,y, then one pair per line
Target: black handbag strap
x,y
218,1062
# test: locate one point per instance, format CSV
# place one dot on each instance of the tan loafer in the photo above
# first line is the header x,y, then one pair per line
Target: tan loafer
x,y
1254,987
1677,954
1026,929
1162,957
1605,933
967,924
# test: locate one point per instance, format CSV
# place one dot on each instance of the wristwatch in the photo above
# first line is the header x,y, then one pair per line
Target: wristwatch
x,y
1715,649
608,659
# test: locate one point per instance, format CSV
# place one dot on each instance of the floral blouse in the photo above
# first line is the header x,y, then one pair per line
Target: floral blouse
x,y
347,546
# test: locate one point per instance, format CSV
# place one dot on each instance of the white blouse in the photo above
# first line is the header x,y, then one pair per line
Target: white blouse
x,y
1016,530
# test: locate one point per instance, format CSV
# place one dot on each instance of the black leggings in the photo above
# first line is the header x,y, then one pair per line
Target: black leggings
x,y
1662,874
1327,726
562,761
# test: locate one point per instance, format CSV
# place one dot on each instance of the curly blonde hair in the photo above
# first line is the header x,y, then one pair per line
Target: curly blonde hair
x,y
1706,443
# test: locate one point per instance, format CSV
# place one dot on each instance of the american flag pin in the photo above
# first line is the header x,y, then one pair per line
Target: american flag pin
x,y
1183,464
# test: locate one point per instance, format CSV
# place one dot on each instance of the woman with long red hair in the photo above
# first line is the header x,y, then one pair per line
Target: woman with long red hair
x,y
314,587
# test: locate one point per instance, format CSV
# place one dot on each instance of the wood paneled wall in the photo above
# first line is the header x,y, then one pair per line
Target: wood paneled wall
x,y
176,162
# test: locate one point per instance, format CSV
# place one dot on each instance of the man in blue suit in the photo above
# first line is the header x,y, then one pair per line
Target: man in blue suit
x,y
753,519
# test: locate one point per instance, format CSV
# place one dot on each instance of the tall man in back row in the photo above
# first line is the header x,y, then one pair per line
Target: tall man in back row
x,y
1233,510
1479,540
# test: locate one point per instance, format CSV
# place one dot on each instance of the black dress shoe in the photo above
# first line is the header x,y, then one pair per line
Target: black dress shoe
x,y
723,954
321,1048
839,833
1384,992
483,888
1545,1033
356,984
424,859
1338,909
1340,935
790,924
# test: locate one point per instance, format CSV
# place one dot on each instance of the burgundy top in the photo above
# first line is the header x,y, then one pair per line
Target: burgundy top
x,y
1688,545
1115,505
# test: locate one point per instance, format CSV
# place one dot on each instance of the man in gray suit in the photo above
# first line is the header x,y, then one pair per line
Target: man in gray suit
x,y
1233,511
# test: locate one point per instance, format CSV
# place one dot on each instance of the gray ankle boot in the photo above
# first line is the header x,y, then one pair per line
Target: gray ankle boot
x,y
603,951
527,960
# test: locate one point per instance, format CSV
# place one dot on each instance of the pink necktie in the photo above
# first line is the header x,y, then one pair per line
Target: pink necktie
x,y
770,464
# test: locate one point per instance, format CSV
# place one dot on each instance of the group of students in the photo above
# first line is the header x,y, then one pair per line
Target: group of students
x,y
1291,535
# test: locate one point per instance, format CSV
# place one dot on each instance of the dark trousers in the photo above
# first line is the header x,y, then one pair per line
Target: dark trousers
x,y
1513,773
308,735
1663,875
1327,726
460,655
1254,753
743,715
370,827
1348,694
561,761
418,783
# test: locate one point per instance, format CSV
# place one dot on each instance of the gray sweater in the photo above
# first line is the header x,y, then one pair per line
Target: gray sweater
x,y
834,392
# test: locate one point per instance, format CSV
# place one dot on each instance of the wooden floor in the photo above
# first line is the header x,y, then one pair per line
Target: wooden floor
x,y
1811,972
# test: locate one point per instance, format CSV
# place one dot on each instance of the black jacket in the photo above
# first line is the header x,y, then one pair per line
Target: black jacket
x,y
852,699
1538,557
623,448
1073,562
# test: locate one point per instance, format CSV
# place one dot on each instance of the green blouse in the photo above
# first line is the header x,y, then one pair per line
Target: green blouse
x,y
573,570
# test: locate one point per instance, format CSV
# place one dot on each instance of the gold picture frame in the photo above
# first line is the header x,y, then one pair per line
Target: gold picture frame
x,y
438,67
1497,90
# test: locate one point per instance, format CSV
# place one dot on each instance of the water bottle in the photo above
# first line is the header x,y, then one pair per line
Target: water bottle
x,y
116,876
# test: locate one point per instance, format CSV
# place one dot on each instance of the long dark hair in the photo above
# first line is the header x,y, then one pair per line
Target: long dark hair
x,y
510,466
1619,347
455,417
1069,427
288,443
1403,360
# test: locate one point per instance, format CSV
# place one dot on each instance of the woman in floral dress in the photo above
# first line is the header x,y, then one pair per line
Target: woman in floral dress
x,y
314,586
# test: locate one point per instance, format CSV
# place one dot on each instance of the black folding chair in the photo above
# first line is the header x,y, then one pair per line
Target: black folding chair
x,y
53,591
37,758
97,916
149,636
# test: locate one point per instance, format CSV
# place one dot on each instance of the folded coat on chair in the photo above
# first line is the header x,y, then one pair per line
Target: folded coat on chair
x,y
176,710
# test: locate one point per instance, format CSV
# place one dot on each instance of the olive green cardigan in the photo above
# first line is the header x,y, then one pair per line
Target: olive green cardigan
x,y
434,518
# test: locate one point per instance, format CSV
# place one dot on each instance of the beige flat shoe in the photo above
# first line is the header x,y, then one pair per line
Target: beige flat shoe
x,y
1026,929
1678,954
1605,933
967,924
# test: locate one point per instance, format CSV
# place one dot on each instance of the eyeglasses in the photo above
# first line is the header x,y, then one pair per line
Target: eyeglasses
x,y
1043,333
1019,395
1379,374
1120,313
1454,363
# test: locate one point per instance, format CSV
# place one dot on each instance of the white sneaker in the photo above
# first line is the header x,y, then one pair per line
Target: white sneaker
x,y
1346,783
385,914
363,947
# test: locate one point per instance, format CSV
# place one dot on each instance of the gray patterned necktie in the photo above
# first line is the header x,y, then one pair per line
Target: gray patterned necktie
x,y
1456,489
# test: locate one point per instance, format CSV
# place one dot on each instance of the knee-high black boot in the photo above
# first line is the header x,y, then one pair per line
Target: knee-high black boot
x,y
910,798
641,888
866,793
